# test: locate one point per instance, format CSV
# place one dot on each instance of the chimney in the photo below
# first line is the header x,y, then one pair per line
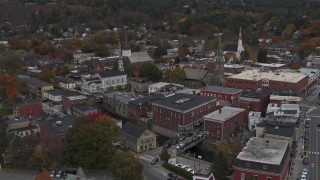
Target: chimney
x,y
220,109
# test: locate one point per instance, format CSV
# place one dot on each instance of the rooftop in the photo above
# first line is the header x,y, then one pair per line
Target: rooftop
x,y
106,74
257,75
77,97
33,81
56,92
268,151
159,85
285,98
183,101
133,130
204,172
226,113
58,125
223,89
83,107
276,128
233,66
123,97
140,57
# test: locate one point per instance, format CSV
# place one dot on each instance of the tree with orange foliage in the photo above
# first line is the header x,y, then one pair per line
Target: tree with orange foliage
x,y
44,175
8,88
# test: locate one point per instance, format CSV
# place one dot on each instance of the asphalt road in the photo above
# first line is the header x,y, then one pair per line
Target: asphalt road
x,y
314,145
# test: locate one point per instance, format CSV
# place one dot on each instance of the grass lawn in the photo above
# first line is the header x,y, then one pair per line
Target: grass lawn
x,y
5,112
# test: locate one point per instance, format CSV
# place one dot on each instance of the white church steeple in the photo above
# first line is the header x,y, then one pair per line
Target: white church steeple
x,y
120,60
240,46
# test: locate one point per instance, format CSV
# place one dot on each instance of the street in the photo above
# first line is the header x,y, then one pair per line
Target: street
x,y
314,145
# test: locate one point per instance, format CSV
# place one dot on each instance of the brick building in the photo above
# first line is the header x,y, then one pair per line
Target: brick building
x,y
117,102
283,81
180,112
261,158
255,100
53,132
223,94
69,101
224,123
28,108
81,110
142,107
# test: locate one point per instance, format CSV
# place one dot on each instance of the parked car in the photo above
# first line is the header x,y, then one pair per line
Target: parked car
x,y
189,134
53,173
59,174
305,171
168,145
178,147
181,138
179,165
182,145
303,177
305,160
195,138
185,167
189,141
174,142
154,161
172,175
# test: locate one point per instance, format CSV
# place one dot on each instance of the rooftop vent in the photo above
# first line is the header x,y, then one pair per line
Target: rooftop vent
x,y
183,100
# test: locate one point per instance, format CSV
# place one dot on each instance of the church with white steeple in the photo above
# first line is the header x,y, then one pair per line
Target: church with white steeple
x,y
240,48
120,60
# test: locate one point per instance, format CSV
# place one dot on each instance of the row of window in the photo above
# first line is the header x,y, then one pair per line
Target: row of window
x,y
214,95
254,177
113,81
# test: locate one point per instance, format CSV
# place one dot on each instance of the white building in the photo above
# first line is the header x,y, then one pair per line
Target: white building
x,y
287,110
254,118
112,79
55,96
153,88
91,85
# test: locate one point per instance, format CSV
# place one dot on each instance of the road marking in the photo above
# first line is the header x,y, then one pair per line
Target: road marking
x,y
146,155
165,174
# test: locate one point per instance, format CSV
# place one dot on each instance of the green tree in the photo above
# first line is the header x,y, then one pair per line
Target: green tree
x,y
262,55
102,51
151,72
126,166
220,166
90,141
164,155
159,51
177,75
47,76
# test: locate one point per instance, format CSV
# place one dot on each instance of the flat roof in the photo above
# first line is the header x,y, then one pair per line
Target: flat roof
x,y
257,75
226,113
268,151
159,85
223,89
183,101
285,98
72,98
271,64
233,66
123,97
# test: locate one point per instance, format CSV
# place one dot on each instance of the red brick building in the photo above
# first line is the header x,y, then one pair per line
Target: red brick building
x,y
143,107
263,159
283,81
69,101
180,112
255,100
53,132
224,123
223,94
28,108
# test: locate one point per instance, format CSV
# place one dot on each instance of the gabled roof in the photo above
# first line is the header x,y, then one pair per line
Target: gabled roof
x,y
195,74
106,74
133,130
230,47
140,57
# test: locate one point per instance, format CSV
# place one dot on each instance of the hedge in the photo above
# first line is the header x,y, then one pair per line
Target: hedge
x,y
178,170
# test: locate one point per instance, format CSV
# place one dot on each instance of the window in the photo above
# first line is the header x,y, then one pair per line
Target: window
x,y
243,176
268,178
255,177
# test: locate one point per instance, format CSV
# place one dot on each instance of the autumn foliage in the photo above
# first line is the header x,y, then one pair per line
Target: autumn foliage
x,y
8,88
